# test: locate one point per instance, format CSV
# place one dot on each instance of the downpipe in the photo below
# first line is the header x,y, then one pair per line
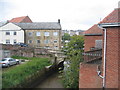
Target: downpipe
x,y
104,62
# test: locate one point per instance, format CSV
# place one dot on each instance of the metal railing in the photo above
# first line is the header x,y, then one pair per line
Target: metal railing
x,y
92,55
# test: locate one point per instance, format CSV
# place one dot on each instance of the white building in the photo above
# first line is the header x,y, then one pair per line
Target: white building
x,y
11,34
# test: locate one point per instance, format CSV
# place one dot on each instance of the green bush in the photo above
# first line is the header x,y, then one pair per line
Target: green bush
x,y
71,74
73,50
18,75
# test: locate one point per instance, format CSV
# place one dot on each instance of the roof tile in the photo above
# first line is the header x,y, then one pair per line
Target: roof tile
x,y
113,17
94,30
40,26
24,19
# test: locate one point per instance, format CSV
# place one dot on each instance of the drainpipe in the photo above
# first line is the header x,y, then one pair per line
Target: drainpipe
x,y
104,64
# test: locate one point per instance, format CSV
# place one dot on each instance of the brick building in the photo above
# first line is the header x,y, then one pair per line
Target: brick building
x,y
93,38
111,55
92,58
108,67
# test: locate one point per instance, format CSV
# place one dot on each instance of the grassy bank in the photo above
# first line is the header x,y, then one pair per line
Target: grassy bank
x,y
19,74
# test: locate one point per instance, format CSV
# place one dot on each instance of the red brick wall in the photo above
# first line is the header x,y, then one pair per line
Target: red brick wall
x,y
88,77
112,57
90,42
119,59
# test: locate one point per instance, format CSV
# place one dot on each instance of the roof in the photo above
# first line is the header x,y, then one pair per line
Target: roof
x,y
23,19
94,30
40,26
113,17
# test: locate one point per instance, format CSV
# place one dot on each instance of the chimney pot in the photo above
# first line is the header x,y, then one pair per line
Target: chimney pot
x,y
58,20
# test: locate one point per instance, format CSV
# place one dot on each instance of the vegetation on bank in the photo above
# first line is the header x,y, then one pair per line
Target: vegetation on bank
x,y
19,74
73,50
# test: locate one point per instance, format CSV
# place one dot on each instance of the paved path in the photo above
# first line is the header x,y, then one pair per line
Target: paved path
x,y
51,82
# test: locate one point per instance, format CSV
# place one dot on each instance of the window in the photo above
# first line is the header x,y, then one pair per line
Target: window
x,y
38,41
55,33
55,41
98,44
46,41
7,41
7,33
29,41
47,47
56,47
15,33
46,33
15,41
30,33
37,33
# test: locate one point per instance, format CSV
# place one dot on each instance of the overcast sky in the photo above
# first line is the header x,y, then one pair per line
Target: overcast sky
x,y
74,14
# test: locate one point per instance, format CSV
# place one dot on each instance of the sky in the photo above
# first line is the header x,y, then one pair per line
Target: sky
x,y
73,14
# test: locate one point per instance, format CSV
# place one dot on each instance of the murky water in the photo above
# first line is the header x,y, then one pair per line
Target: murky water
x,y
51,82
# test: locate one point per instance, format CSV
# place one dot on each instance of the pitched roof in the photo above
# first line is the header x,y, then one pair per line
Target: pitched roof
x,y
40,25
113,17
24,19
94,30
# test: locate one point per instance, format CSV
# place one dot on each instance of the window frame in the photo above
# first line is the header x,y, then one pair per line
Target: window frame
x,y
46,33
14,33
8,41
30,34
46,41
14,41
37,41
55,33
38,34
55,47
29,41
7,33
55,41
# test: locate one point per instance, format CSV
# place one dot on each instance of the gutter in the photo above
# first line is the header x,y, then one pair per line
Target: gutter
x,y
104,64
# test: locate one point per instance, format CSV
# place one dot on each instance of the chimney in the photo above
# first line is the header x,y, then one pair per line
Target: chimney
x,y
58,20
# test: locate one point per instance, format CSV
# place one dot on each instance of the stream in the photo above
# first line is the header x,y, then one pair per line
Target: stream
x,y
51,82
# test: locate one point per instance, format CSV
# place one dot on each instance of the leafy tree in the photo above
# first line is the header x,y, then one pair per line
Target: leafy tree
x,y
76,43
74,51
66,36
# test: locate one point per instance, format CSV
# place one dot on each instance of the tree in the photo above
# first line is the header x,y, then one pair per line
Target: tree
x,y
76,43
66,36
74,51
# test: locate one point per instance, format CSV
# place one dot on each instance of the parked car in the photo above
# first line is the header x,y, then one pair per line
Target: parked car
x,y
18,61
21,44
6,62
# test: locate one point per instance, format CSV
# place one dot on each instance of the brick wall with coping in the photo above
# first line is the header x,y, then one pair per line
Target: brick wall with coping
x,y
24,51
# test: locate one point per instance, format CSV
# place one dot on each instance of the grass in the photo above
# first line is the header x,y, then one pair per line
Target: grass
x,y
17,75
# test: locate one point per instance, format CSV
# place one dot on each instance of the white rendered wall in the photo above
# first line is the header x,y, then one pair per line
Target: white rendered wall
x,y
10,27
